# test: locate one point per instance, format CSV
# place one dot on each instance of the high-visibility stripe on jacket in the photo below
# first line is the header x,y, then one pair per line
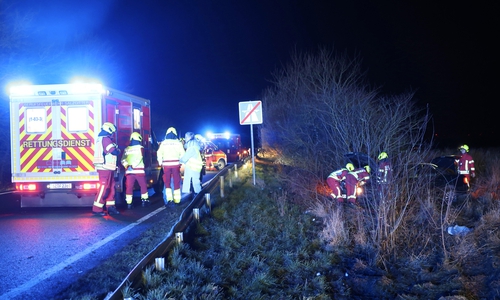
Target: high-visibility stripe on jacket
x,y
339,175
103,159
133,157
170,152
360,174
466,164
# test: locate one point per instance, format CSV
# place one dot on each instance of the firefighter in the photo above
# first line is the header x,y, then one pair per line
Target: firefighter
x,y
355,177
133,162
465,165
192,164
105,157
384,168
334,181
169,153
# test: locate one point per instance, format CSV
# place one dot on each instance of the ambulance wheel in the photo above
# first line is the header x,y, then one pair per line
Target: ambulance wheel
x,y
221,164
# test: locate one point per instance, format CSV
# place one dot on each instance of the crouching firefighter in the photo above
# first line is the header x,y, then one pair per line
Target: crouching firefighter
x,y
334,182
133,162
105,157
355,177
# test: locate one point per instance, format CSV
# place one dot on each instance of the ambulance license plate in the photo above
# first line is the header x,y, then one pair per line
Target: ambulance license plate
x,y
60,186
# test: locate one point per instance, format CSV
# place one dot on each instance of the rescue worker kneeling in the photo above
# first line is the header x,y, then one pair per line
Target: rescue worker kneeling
x,y
354,178
133,162
334,182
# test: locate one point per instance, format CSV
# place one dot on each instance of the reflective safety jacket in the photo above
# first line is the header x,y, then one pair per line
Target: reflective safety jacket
x,y
339,175
361,175
465,164
169,153
192,157
133,159
103,157
384,171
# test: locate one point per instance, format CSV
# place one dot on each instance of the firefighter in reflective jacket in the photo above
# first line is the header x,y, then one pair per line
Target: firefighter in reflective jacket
x,y
192,164
334,181
465,165
384,168
168,155
133,162
354,178
105,157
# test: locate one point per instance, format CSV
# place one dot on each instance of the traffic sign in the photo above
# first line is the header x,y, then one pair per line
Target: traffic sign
x,y
250,112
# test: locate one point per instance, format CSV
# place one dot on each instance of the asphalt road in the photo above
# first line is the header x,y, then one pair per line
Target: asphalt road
x,y
44,250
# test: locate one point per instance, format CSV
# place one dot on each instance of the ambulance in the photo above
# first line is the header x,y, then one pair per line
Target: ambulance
x,y
229,143
53,130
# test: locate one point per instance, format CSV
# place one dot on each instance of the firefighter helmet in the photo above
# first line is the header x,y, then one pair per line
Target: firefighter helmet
x,y
171,130
367,168
109,127
382,155
136,136
349,167
465,147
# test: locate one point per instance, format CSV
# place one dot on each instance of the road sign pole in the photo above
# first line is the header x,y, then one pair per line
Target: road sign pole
x,y
253,154
251,113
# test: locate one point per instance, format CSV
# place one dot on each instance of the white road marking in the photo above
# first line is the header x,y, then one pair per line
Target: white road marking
x,y
43,276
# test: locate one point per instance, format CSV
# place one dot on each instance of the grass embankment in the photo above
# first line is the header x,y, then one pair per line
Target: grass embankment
x,y
255,245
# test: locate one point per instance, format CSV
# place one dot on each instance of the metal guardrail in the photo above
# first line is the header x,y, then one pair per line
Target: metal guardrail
x,y
186,219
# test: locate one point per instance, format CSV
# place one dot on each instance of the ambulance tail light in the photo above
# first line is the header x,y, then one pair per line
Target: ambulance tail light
x,y
87,186
23,187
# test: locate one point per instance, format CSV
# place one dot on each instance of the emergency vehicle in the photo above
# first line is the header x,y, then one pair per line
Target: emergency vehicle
x,y
53,131
215,159
229,143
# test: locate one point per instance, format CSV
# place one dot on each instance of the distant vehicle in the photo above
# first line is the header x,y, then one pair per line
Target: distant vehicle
x,y
229,143
215,158
53,132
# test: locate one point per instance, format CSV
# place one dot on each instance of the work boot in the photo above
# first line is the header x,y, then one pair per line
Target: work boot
x,y
129,206
145,202
100,213
113,211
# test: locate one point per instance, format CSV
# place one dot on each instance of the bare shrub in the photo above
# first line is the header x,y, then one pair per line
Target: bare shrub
x,y
320,108
335,233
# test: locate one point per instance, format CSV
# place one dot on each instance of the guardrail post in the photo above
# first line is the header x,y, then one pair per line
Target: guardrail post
x,y
160,263
196,214
230,178
179,237
222,186
235,171
207,199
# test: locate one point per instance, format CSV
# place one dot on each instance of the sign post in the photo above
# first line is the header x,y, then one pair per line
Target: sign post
x,y
251,113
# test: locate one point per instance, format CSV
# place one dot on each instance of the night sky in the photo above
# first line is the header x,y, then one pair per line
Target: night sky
x,y
196,60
